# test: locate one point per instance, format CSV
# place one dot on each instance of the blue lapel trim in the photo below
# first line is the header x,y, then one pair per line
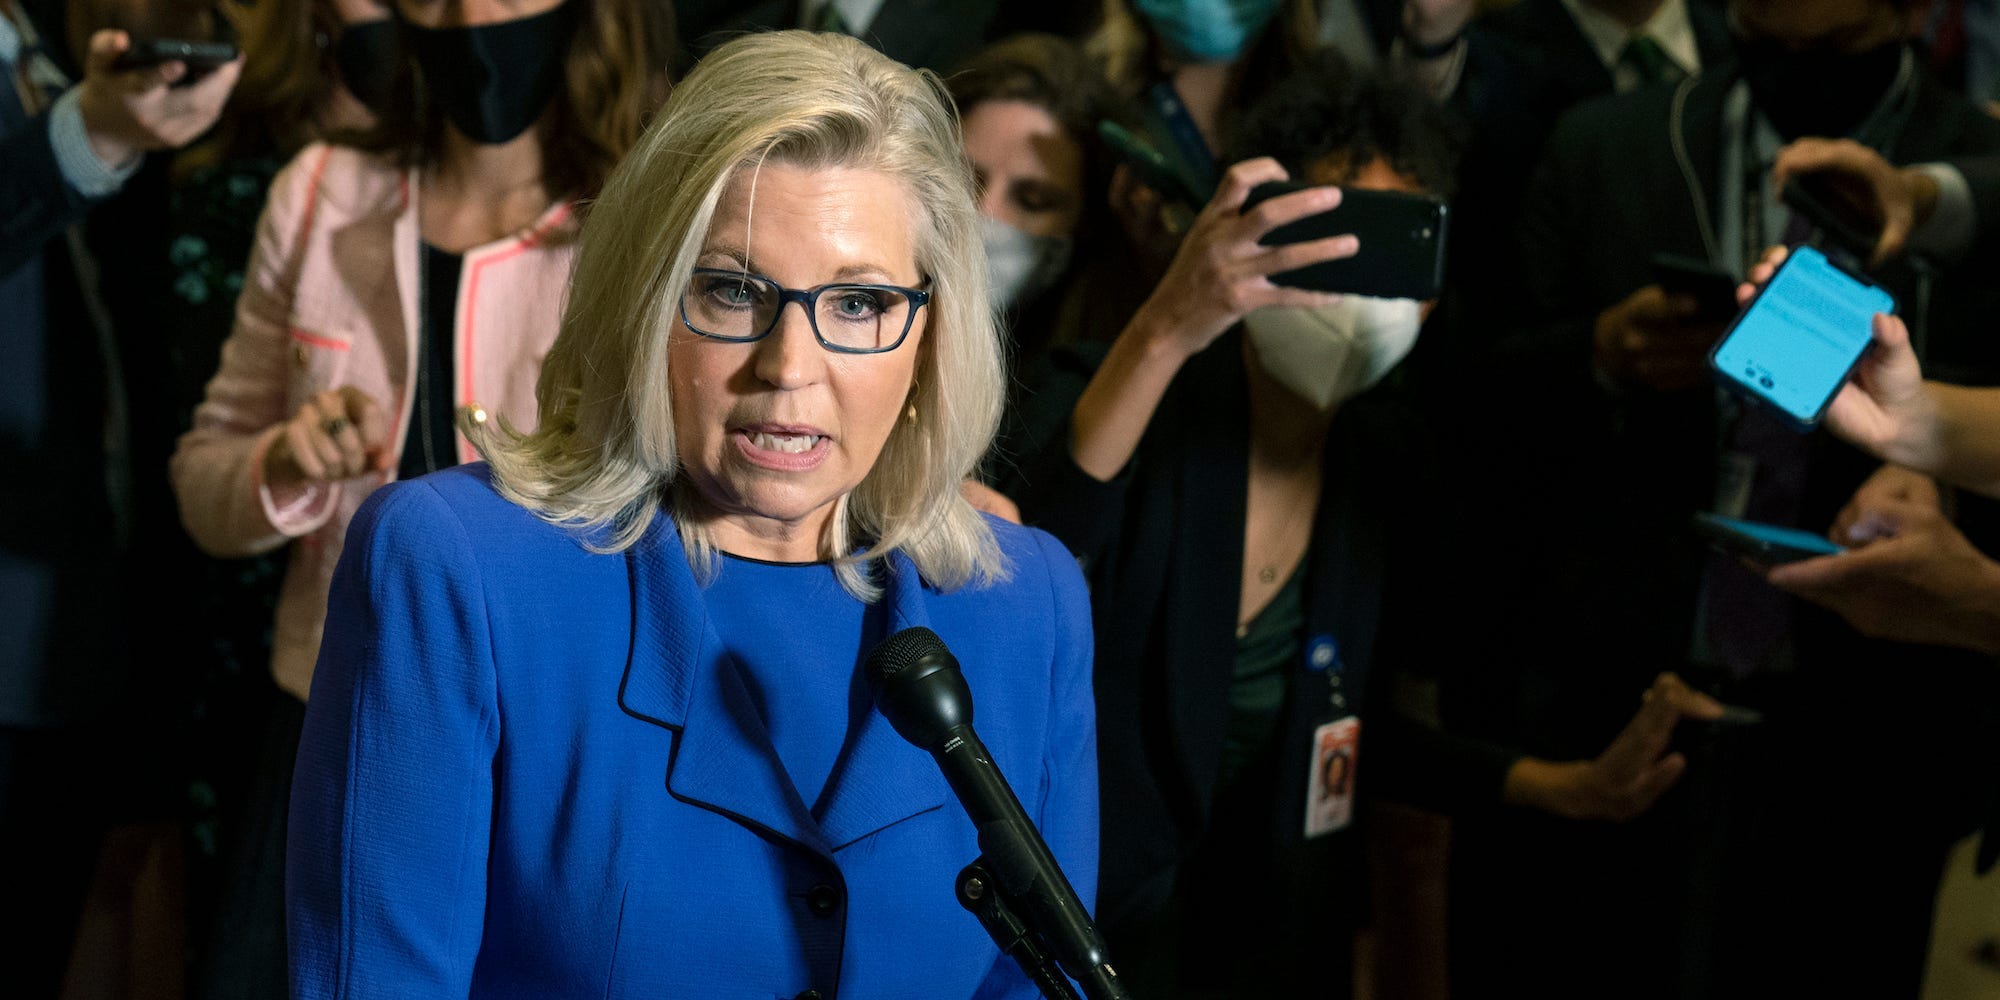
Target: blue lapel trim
x,y
679,676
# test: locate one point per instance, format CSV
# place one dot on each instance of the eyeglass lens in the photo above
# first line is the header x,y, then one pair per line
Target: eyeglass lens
x,y
743,307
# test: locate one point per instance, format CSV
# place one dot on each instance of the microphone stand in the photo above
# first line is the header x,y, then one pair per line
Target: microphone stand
x,y
980,894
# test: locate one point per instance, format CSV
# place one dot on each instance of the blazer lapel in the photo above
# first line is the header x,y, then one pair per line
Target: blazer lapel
x,y
1214,478
882,779
679,676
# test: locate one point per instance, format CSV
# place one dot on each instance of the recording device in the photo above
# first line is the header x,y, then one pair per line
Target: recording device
x,y
1712,288
1402,242
1152,166
1762,543
201,58
1851,223
1802,335
919,689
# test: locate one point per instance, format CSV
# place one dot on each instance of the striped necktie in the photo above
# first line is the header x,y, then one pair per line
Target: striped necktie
x,y
1649,61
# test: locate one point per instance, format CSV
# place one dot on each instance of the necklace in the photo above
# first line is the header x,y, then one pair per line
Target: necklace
x,y
1267,574
1276,559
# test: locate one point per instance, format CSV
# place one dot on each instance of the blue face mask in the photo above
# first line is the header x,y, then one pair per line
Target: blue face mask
x,y
1208,30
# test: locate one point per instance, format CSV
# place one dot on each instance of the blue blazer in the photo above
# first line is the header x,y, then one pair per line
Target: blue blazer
x,y
531,770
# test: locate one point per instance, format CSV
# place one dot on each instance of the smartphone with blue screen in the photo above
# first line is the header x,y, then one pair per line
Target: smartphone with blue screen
x,y
1800,338
1759,542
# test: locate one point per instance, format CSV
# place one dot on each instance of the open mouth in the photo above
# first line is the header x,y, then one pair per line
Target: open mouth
x,y
789,444
782,448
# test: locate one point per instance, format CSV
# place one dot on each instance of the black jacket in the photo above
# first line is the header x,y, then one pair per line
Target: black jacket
x,y
1162,548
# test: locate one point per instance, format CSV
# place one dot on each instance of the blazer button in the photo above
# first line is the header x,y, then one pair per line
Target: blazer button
x,y
823,900
473,412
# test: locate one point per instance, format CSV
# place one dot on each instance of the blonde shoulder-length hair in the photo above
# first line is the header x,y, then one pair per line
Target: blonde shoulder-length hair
x,y
603,460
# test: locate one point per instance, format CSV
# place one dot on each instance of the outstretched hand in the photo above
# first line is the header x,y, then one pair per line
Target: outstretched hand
x,y
1630,775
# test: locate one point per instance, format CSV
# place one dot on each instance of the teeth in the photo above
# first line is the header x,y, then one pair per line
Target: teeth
x,y
791,444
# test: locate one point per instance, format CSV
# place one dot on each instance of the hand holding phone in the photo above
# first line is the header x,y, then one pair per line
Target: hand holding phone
x,y
1798,340
1402,242
128,112
1221,270
1711,288
1654,340
1850,222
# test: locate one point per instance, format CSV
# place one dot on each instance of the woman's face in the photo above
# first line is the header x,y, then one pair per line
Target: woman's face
x,y
771,433
1030,171
470,13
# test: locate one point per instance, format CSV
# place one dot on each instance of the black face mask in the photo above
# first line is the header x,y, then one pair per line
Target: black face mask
x,y
367,56
1817,92
493,80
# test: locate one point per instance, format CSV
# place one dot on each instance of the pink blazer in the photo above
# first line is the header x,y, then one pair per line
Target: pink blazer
x,y
330,300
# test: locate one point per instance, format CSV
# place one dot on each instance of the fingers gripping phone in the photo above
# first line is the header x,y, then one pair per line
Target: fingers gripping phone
x,y
1802,335
1712,289
1851,225
1764,543
1402,242
201,58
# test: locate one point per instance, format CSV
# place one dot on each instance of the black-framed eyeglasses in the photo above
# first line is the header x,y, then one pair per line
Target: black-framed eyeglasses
x,y
846,318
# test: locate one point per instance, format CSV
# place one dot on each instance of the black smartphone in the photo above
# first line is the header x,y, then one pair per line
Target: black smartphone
x,y
1402,242
201,57
1849,221
1759,542
1802,335
1151,165
1712,288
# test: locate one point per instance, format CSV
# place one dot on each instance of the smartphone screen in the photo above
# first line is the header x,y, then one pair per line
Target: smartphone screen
x,y
1801,336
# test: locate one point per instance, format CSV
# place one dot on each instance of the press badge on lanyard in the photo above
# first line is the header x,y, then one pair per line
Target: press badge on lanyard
x,y
1336,747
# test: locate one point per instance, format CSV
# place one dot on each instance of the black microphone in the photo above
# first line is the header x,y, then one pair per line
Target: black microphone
x,y
919,689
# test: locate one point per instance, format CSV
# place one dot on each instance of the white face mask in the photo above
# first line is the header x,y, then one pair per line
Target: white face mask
x,y
1020,267
1328,354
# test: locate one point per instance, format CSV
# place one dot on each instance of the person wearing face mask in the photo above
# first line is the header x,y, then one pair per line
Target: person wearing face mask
x,y
1251,518
1187,67
1028,109
1604,401
404,284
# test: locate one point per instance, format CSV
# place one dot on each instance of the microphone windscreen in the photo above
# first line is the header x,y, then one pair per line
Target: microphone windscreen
x,y
918,686
900,651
